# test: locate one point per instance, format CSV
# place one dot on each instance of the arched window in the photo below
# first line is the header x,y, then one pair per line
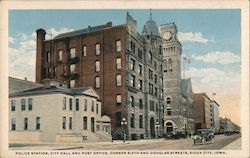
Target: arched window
x,y
150,56
140,104
168,100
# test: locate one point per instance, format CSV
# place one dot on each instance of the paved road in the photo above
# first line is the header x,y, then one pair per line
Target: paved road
x,y
161,144
156,144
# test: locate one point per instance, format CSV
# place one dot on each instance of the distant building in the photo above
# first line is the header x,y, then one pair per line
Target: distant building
x,y
214,112
17,85
226,125
202,111
57,114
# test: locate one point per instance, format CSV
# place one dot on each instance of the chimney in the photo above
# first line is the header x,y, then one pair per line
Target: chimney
x,y
40,54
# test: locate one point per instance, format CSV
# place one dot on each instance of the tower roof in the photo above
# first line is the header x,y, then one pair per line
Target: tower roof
x,y
150,28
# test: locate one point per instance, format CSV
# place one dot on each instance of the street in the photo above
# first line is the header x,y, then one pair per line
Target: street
x,y
153,144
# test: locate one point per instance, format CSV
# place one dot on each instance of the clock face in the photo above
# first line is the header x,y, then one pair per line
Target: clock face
x,y
167,35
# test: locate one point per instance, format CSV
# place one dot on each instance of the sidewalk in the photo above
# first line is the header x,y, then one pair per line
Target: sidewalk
x,y
235,145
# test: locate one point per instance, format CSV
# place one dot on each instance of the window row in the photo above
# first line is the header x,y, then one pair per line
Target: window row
x,y
84,123
133,83
168,65
25,124
154,90
132,66
94,106
23,104
133,103
72,51
118,81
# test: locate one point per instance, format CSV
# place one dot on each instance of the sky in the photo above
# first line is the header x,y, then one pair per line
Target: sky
x,y
211,38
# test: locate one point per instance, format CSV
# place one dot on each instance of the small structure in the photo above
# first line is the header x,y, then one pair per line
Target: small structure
x,y
57,114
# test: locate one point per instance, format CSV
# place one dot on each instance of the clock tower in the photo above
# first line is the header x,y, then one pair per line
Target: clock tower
x,y
172,50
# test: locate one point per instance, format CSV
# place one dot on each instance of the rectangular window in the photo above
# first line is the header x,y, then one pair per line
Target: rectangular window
x,y
140,121
168,111
118,99
60,55
155,79
139,53
150,73
84,50
97,49
85,123
97,82
97,66
77,104
23,104
64,123
65,69
156,91
64,103
132,81
70,104
118,63
72,83
13,105
140,85
92,105
13,124
30,103
38,123
132,121
85,104
25,123
72,53
70,123
151,88
118,46
118,80
132,64
50,73
140,69
48,57
97,109
72,68
151,105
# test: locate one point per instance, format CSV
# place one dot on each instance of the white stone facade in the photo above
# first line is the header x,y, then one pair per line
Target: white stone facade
x,y
57,114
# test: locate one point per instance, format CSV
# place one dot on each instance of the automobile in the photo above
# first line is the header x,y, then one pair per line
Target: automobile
x,y
203,136
175,135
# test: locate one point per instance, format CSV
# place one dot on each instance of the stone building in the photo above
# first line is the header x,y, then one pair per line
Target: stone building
x,y
57,114
178,95
123,66
214,112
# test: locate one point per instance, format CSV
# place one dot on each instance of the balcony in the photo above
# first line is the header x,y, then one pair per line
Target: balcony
x,y
73,60
133,89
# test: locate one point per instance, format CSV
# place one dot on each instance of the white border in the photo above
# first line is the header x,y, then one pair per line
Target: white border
x,y
123,4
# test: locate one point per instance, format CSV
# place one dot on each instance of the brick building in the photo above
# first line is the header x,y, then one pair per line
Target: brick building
x,y
123,66
202,111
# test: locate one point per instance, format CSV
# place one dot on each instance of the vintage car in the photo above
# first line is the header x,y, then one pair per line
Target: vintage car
x,y
203,136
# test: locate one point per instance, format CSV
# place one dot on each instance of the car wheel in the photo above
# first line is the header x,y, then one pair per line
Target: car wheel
x,y
203,141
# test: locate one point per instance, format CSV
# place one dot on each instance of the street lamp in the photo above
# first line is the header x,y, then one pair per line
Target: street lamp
x,y
157,129
124,123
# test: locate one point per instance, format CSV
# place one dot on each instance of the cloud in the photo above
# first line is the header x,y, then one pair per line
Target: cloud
x,y
22,53
218,57
211,80
52,32
12,40
192,37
